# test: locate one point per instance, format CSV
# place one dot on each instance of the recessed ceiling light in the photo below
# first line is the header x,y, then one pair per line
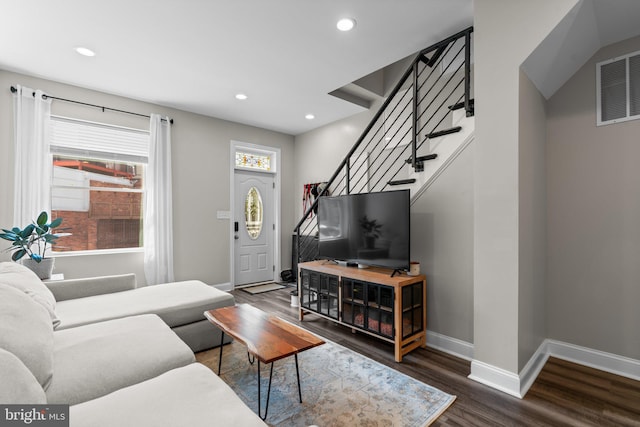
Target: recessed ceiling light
x,y
346,24
309,117
85,51
241,96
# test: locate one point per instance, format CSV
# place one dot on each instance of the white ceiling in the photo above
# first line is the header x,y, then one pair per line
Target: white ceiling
x,y
195,55
589,26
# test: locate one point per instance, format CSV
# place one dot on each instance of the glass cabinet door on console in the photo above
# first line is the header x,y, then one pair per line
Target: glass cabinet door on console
x,y
380,309
412,310
353,306
368,306
319,293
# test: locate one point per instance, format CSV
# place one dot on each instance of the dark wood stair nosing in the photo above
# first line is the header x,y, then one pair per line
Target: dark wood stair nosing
x,y
423,158
402,181
460,105
444,132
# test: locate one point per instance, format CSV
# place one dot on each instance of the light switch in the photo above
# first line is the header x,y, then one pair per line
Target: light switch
x,y
224,214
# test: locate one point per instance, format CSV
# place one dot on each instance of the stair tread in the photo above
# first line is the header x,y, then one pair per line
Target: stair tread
x,y
402,181
444,132
423,158
460,105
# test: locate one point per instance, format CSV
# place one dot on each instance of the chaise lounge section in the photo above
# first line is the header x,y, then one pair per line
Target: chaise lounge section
x,y
180,304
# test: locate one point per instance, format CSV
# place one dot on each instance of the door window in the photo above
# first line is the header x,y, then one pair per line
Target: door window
x,y
253,213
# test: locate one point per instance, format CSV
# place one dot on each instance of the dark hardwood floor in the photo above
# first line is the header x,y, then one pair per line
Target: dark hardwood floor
x,y
564,393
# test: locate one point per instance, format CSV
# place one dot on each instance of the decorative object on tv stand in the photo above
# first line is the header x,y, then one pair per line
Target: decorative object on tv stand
x,y
33,241
414,268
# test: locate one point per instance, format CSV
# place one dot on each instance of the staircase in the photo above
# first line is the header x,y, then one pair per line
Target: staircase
x,y
425,121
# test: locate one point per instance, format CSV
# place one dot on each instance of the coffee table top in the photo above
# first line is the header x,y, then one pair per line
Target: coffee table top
x,y
266,336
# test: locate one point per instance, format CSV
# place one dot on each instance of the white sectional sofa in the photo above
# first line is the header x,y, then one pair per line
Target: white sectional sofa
x,y
127,371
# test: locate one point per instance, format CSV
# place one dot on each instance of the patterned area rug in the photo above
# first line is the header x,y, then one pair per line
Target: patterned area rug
x,y
339,388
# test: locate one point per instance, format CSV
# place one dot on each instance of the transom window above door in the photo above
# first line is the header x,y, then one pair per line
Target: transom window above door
x,y
257,161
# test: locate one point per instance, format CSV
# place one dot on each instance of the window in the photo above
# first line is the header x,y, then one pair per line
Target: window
x,y
97,184
253,161
618,89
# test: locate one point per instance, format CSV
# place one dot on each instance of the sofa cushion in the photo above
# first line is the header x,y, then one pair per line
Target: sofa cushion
x,y
26,331
89,286
20,277
177,303
18,385
94,360
191,396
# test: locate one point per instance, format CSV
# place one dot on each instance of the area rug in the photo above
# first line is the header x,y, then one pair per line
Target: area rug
x,y
339,388
258,289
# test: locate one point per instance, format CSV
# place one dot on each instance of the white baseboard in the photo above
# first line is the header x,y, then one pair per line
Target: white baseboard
x,y
453,346
224,287
518,385
608,362
495,377
532,369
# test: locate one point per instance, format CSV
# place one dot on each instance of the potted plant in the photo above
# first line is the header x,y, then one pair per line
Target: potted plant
x,y
371,231
33,241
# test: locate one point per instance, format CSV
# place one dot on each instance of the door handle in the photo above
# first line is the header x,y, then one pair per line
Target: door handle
x,y
235,226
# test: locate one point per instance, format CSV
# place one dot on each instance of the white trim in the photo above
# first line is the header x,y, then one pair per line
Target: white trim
x,y
227,287
518,385
443,167
608,362
532,369
61,254
495,377
450,345
276,159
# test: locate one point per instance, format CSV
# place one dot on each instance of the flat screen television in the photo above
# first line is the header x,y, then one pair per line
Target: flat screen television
x,y
371,229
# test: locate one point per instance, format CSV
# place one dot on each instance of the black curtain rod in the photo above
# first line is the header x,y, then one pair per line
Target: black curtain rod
x,y
44,96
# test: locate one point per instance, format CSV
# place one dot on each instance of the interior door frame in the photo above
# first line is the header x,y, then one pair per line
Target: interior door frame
x,y
275,170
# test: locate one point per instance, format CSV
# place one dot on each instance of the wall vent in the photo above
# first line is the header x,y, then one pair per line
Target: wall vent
x,y
618,89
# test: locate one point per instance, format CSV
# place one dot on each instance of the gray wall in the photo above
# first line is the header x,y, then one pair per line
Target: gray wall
x,y
442,241
593,236
505,34
532,221
201,173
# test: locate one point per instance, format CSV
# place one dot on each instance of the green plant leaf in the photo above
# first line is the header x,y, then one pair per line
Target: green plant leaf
x,y
18,254
55,223
36,257
51,238
9,236
28,231
42,218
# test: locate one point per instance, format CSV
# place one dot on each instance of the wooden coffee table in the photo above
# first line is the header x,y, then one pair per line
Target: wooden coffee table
x,y
267,337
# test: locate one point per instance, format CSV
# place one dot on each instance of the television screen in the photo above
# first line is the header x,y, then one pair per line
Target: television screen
x,y
369,228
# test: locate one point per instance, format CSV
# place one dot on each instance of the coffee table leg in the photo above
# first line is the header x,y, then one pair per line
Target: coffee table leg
x,y
266,408
298,375
220,358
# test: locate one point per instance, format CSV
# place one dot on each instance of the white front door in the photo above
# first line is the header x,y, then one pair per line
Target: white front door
x,y
253,227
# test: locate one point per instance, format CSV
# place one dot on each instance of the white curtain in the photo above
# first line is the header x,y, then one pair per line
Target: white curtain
x,y
32,158
158,213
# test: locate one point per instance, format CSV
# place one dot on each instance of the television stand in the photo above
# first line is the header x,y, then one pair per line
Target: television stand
x,y
389,307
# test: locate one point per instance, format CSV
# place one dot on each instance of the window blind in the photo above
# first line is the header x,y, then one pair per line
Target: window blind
x,y
78,138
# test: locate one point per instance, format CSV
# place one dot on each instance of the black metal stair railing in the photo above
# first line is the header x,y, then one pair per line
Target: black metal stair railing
x,y
418,110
